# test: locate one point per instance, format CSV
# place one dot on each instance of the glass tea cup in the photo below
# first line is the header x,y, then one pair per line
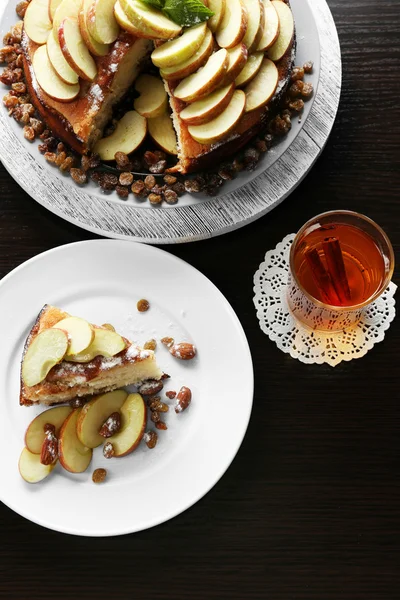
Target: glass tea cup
x,y
340,263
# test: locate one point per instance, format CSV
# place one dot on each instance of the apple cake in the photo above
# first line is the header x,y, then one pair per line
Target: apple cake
x,y
208,74
66,357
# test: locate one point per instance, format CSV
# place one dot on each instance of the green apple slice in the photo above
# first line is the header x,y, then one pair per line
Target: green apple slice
x,y
95,413
128,135
37,22
250,69
30,467
80,333
150,20
152,101
47,349
218,128
210,107
181,48
286,31
105,343
206,80
261,89
192,64
162,132
103,26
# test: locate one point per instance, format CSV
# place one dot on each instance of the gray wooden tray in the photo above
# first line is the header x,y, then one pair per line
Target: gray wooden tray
x,y
195,217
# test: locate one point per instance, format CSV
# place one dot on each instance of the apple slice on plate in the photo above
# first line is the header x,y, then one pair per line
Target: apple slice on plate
x,y
192,64
232,28
60,65
46,350
105,343
218,8
250,69
127,137
210,107
34,436
80,334
67,9
261,89
53,5
93,45
133,424
181,48
95,413
102,23
271,27
286,31
75,50
37,22
218,128
206,80
72,454
237,60
30,467
152,101
255,12
162,132
149,20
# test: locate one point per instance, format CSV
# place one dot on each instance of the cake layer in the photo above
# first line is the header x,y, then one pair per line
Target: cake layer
x,y
81,123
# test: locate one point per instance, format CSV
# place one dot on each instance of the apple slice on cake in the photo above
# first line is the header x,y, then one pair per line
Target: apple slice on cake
x,y
94,47
37,23
210,107
262,88
250,69
286,31
193,63
59,63
206,80
233,26
163,134
271,27
152,101
181,48
150,21
221,126
103,26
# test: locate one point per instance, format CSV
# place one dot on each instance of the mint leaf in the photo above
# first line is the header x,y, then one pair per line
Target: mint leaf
x,y
156,3
187,12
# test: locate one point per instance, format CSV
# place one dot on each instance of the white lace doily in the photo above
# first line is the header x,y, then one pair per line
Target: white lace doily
x,y
276,320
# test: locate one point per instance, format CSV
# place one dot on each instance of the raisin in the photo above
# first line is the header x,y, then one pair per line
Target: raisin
x,y
143,305
161,425
126,179
67,164
79,176
158,167
122,159
296,89
138,188
99,475
297,73
123,192
307,91
170,179
150,437
150,181
308,66
171,197
178,188
155,416
155,198
29,133
150,158
21,8
192,186
150,345
297,105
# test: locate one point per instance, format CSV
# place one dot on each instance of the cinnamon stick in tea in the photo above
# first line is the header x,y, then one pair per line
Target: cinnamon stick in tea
x,y
334,260
321,277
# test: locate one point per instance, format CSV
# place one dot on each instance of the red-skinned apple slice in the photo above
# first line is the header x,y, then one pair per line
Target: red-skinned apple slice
x,y
93,45
254,8
250,69
37,22
101,21
218,8
181,48
152,101
233,26
95,413
60,65
48,79
271,27
30,467
72,454
53,5
127,137
34,436
261,89
237,60
133,424
206,80
209,108
286,31
67,9
163,134
192,64
149,20
75,50
218,128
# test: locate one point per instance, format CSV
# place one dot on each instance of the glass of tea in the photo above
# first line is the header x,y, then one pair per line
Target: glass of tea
x,y
340,262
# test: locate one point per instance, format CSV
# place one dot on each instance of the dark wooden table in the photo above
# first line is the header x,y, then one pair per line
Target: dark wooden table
x,y
310,508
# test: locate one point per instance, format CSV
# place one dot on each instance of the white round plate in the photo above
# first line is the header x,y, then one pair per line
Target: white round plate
x,y
195,217
102,281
